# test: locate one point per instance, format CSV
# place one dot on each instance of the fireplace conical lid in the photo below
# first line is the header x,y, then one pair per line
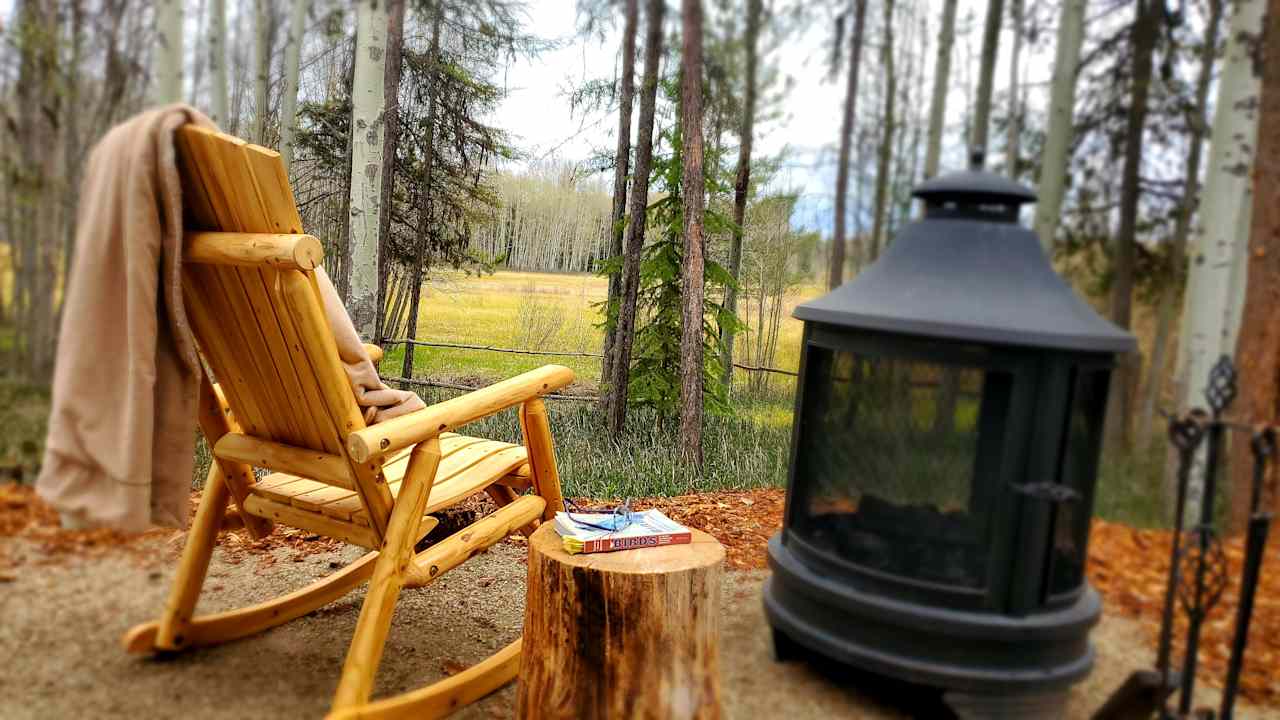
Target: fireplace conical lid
x,y
969,272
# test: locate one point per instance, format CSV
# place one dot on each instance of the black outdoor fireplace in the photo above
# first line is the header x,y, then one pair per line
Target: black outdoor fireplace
x,y
947,429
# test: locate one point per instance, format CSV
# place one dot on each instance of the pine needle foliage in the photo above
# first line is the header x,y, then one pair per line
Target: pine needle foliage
x,y
655,380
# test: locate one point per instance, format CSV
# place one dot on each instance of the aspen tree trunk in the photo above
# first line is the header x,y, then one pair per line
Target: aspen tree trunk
x,y
262,67
1216,249
425,219
742,180
692,368
1259,346
72,160
168,60
36,128
835,273
986,78
941,84
343,256
1178,246
367,121
218,110
1143,35
1015,129
621,168
289,93
1062,100
883,168
198,54
616,405
390,144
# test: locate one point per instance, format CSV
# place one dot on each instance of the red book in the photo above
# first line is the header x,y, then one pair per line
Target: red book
x,y
630,543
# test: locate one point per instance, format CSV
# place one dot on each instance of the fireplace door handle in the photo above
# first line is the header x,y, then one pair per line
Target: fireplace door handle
x,y
1052,492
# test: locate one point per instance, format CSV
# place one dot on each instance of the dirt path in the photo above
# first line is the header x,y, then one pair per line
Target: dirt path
x,y
62,622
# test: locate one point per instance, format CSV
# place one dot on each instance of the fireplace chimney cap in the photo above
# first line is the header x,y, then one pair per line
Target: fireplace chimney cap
x,y
974,186
966,273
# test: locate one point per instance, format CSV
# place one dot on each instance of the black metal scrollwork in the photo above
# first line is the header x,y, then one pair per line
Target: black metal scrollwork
x,y
1198,569
1222,388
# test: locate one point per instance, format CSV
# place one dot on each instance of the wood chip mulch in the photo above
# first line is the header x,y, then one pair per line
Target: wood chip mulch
x,y
1128,566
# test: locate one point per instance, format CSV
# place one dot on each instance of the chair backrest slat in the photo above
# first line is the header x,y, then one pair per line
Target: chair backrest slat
x,y
261,329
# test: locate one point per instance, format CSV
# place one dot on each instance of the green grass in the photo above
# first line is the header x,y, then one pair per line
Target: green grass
x,y
24,417
738,453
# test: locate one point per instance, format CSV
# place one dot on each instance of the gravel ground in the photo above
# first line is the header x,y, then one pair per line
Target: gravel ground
x,y
62,623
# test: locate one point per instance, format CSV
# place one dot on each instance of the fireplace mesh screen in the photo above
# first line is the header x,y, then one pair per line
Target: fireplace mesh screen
x,y
889,462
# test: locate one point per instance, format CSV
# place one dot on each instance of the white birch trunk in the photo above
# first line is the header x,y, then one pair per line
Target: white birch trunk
x,y
367,105
1053,169
941,84
1216,276
218,61
168,58
1014,129
262,70
289,98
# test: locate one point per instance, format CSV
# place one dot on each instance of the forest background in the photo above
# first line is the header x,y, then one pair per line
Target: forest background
x,y
553,178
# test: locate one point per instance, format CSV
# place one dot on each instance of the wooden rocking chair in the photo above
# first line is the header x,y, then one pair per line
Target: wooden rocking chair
x,y
283,403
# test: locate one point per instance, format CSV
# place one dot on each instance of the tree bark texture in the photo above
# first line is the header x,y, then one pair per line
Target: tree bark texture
x,y
986,77
1214,248
168,59
1062,100
289,92
1259,346
693,185
262,71
1143,35
218,105
621,635
616,407
742,179
1218,243
1198,124
883,165
425,216
367,125
35,222
835,273
390,143
941,84
621,170
1014,124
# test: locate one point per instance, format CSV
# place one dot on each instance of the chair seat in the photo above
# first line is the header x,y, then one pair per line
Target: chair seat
x,y
468,465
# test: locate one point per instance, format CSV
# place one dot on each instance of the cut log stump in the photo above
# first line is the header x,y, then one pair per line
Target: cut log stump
x,y
632,634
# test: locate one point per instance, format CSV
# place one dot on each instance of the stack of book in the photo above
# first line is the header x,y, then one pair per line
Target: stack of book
x,y
645,529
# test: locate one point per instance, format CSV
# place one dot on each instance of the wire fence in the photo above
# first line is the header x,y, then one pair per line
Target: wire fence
x,y
557,353
415,382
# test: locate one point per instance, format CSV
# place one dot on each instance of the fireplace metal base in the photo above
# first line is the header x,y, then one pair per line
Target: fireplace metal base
x,y
973,654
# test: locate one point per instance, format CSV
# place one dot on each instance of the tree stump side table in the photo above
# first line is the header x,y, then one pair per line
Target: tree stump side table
x,y
631,634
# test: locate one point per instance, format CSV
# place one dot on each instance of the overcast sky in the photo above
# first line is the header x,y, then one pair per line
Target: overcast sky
x,y
538,113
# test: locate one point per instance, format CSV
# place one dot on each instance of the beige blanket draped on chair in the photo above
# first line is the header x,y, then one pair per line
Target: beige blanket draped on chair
x,y
121,440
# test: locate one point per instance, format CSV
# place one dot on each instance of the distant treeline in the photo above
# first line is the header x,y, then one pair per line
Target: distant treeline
x,y
546,220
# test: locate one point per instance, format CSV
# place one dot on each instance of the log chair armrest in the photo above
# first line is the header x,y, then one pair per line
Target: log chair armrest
x,y
375,352
386,437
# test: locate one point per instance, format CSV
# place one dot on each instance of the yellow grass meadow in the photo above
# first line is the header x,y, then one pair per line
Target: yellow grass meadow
x,y
558,312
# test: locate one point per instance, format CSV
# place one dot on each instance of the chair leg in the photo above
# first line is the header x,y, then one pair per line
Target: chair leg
x,y
536,430
446,696
388,577
218,628
174,623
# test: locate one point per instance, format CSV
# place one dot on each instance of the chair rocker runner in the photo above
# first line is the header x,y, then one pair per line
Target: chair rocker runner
x,y
283,402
